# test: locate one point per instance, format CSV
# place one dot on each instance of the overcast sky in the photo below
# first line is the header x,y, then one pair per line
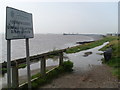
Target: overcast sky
x,y
90,16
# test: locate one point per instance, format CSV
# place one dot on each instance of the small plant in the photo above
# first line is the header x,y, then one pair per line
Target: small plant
x,y
22,66
68,66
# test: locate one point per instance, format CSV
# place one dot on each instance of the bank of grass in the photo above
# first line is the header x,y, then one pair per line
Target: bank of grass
x,y
66,67
115,60
90,45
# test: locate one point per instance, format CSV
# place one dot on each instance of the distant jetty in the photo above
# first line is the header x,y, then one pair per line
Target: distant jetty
x,y
84,42
70,34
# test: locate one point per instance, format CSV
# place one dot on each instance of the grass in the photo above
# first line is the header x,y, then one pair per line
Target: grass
x,y
116,72
89,45
22,66
36,75
114,45
115,60
66,67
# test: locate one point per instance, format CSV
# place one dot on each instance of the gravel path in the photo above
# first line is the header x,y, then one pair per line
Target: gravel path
x,y
98,77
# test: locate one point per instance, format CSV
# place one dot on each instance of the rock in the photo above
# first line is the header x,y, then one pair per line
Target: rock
x,y
90,80
108,54
98,87
83,78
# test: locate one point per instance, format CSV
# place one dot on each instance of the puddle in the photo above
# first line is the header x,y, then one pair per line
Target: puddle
x,y
84,64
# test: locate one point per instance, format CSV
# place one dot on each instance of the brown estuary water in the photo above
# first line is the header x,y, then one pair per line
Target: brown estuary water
x,y
39,44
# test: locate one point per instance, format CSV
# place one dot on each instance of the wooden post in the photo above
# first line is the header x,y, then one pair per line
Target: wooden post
x,y
61,58
43,66
15,80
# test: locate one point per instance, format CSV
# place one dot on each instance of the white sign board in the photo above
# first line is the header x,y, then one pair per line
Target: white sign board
x,y
19,24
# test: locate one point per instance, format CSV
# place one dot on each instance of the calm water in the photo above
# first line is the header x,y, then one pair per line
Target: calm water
x,y
39,44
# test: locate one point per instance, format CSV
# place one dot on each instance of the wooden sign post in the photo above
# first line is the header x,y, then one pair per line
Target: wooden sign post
x,y
19,25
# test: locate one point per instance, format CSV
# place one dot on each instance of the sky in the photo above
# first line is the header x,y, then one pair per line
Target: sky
x,y
67,16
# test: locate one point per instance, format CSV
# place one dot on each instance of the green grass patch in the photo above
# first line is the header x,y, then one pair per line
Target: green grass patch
x,y
90,45
114,62
66,67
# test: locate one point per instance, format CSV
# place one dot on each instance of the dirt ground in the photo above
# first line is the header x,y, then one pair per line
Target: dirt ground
x,y
98,76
